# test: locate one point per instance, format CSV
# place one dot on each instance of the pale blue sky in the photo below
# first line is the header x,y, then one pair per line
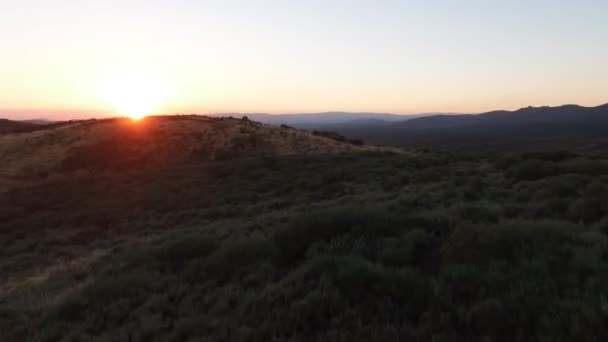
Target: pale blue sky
x,y
302,56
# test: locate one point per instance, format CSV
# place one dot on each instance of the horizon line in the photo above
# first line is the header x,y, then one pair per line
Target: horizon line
x,y
35,112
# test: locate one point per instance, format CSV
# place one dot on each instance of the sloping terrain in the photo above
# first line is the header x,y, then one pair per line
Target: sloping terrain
x,y
347,247
319,120
79,167
367,245
123,144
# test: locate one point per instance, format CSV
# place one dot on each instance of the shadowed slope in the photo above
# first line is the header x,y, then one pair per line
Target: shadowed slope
x,y
10,126
122,144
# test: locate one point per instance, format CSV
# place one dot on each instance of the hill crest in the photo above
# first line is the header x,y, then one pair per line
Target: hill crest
x,y
123,144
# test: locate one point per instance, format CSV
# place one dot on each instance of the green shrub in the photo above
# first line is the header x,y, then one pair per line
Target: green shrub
x,y
433,260
368,286
112,296
573,320
437,222
553,156
562,186
533,170
585,166
506,161
602,225
232,259
551,208
429,175
588,210
185,249
113,287
480,212
415,248
342,245
491,317
294,241
511,242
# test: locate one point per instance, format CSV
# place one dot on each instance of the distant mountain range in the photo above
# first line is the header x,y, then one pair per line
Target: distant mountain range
x,y
526,125
37,121
7,126
320,120
14,126
529,115
307,120
570,123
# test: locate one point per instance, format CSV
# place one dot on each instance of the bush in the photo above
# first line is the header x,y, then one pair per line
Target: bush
x,y
563,186
512,242
506,161
103,296
533,170
416,248
587,166
602,225
553,156
325,225
338,137
113,287
480,212
433,260
233,259
588,210
180,252
370,288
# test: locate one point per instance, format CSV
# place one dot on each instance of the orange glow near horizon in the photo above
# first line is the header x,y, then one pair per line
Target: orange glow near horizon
x,y
133,58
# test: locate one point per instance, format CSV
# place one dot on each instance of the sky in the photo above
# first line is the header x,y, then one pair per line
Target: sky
x,y
75,58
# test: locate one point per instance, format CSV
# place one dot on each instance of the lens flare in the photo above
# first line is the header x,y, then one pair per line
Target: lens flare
x,y
134,97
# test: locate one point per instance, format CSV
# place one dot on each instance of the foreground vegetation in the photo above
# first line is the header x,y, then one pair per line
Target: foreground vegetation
x,y
352,247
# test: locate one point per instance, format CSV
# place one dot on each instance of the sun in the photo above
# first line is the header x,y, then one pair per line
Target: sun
x,y
134,96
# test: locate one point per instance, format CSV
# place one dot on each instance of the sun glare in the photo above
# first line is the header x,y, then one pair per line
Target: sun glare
x,y
134,97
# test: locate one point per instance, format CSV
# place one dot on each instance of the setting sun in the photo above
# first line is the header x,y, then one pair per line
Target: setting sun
x,y
134,97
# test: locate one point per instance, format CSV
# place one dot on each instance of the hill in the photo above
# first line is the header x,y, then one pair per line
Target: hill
x,y
286,241
123,144
10,126
38,121
523,116
523,126
318,121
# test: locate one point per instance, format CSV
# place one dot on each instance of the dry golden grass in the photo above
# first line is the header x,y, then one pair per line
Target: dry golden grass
x,y
157,141
46,259
46,286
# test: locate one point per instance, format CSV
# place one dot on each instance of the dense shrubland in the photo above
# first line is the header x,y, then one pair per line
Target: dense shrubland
x,y
439,246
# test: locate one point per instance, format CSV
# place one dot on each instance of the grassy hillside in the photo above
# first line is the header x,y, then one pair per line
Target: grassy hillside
x,y
358,246
156,142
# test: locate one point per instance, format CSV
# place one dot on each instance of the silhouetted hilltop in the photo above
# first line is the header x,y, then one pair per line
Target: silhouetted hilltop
x,y
38,121
123,144
529,115
322,120
10,126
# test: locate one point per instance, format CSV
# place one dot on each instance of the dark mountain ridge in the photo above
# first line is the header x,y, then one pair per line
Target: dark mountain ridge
x,y
10,126
321,120
522,125
528,115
